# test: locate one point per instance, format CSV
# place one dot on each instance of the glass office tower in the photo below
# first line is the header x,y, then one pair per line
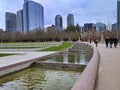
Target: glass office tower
x,y
58,22
25,1
20,21
70,20
118,14
10,21
33,16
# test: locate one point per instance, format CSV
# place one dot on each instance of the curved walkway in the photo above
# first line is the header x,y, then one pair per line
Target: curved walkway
x,y
109,69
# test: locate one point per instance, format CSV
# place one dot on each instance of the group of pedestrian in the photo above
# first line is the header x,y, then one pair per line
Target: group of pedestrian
x,y
110,41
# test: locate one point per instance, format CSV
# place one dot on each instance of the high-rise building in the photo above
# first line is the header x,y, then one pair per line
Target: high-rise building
x,y
20,21
100,27
70,20
89,27
25,1
33,16
118,14
10,20
58,22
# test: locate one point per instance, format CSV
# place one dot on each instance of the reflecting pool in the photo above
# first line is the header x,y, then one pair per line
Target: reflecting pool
x,y
71,57
39,79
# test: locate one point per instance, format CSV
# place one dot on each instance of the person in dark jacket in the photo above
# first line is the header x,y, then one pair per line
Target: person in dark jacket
x,y
96,42
115,40
106,42
111,41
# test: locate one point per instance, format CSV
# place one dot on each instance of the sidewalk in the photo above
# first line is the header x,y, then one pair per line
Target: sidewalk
x,y
109,69
21,60
21,57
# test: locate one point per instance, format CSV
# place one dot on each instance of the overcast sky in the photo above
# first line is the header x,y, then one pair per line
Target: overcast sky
x,y
84,11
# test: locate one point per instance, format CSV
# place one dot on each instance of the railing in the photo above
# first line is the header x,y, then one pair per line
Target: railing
x,y
88,77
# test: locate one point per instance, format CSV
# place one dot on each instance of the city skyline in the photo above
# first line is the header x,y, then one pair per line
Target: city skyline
x,y
84,11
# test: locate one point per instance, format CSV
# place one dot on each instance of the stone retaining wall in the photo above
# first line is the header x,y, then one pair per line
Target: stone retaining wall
x,y
88,77
66,66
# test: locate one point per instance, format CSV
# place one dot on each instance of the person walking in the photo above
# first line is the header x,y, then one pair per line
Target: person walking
x,y
111,41
106,42
115,41
96,42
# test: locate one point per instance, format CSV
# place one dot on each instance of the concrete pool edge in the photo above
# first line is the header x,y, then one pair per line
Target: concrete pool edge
x,y
14,67
57,65
88,77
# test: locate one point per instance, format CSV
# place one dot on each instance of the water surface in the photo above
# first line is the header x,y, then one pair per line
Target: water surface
x,y
40,79
71,57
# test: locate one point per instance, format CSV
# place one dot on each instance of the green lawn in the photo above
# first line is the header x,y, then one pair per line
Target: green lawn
x,y
5,54
62,46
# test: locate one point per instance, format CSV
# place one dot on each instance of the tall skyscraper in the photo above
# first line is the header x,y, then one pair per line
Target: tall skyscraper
x,y
70,20
10,20
20,21
25,1
59,22
118,14
33,16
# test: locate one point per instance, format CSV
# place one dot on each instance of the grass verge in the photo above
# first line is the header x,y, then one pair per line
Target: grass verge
x,y
4,54
63,46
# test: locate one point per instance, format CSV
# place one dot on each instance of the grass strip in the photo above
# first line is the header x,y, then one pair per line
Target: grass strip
x,y
63,46
4,54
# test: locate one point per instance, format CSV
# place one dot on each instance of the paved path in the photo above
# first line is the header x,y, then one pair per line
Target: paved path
x,y
21,57
109,70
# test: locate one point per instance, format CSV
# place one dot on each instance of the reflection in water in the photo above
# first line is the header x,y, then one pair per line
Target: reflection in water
x,y
82,59
72,57
39,79
65,58
77,58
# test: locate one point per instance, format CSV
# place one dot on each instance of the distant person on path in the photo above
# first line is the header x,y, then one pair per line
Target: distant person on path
x,y
90,40
115,40
96,42
111,42
106,42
